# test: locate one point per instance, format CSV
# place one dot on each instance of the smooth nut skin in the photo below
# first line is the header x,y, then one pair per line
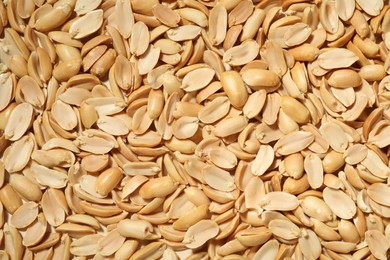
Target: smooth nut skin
x,y
234,87
372,72
258,79
294,186
155,103
191,218
295,109
332,162
316,208
294,165
26,188
345,78
254,236
158,187
10,199
305,52
108,180
139,229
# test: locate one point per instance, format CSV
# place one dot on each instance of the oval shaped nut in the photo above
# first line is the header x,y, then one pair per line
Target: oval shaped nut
x,y
191,218
335,135
152,250
316,208
222,157
88,115
139,40
379,192
193,15
345,9
214,110
185,127
295,109
184,33
337,58
355,154
166,15
26,188
168,46
108,180
198,234
375,165
332,162
65,70
309,244
348,231
10,199
258,79
218,24
110,243
328,16
5,113
339,246
296,187
242,54
284,229
264,159
345,78
31,91
113,125
297,34
372,72
378,243
293,142
52,18
87,24
230,126
218,179
18,65
197,79
127,249
18,154
13,242
286,124
19,121
94,55
25,215
139,229
155,103
253,236
86,245
234,87
101,67
371,8
294,165
7,83
123,20
158,188
314,170
279,200
85,6
304,52
68,53
324,231
64,115
267,251
141,168
340,203
252,25
196,196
